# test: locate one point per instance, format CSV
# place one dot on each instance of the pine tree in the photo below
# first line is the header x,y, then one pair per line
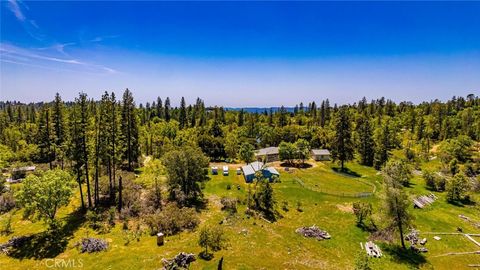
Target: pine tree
x,y
130,130
182,119
343,145
46,135
282,118
167,109
114,142
159,109
193,116
97,153
60,128
75,149
367,144
384,143
83,133
241,118
396,200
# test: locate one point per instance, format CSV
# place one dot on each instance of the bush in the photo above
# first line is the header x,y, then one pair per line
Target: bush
x,y
172,220
410,154
7,226
213,238
7,202
457,188
229,204
94,219
434,181
285,206
153,199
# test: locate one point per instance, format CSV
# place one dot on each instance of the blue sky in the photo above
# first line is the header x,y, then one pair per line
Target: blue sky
x,y
240,53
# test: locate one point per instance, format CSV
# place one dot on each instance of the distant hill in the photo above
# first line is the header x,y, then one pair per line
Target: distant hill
x,y
259,109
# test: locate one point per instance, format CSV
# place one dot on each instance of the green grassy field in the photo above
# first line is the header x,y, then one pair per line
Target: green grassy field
x,y
258,244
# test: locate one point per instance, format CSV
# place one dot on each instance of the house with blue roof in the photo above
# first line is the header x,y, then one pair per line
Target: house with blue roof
x,y
250,169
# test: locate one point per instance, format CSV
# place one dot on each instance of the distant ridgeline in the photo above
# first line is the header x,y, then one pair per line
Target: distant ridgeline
x,y
261,109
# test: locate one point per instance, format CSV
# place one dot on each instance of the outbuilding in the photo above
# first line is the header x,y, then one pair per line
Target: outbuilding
x,y
320,154
250,169
268,154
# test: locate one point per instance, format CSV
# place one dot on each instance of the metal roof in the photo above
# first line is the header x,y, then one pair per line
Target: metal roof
x,y
248,170
267,151
320,152
272,170
257,165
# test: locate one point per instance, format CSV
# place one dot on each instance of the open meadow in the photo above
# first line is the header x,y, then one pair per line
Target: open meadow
x,y
303,199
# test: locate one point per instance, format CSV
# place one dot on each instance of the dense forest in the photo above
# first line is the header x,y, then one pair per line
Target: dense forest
x,y
93,138
109,133
99,147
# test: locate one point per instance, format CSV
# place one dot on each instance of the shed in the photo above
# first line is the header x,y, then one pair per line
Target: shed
x,y
320,154
268,154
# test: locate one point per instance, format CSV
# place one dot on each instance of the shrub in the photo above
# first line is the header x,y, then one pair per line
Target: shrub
x,y
94,219
153,199
7,202
213,238
172,220
457,188
7,226
299,206
362,211
434,181
285,206
229,204
429,178
410,154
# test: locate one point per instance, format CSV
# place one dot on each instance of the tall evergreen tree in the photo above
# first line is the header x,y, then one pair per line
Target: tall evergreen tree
x,y
159,108
83,132
182,119
384,143
46,135
75,149
241,118
60,128
343,145
130,130
366,146
167,109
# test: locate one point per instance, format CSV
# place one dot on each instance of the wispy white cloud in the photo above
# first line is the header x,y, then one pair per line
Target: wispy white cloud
x,y
32,57
31,27
102,38
48,55
58,47
15,8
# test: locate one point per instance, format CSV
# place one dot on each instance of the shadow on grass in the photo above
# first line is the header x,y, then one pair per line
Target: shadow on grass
x,y
346,171
206,256
49,244
462,203
296,165
404,256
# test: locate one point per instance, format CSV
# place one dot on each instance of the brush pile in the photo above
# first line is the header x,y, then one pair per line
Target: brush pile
x,y
93,245
181,261
313,232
